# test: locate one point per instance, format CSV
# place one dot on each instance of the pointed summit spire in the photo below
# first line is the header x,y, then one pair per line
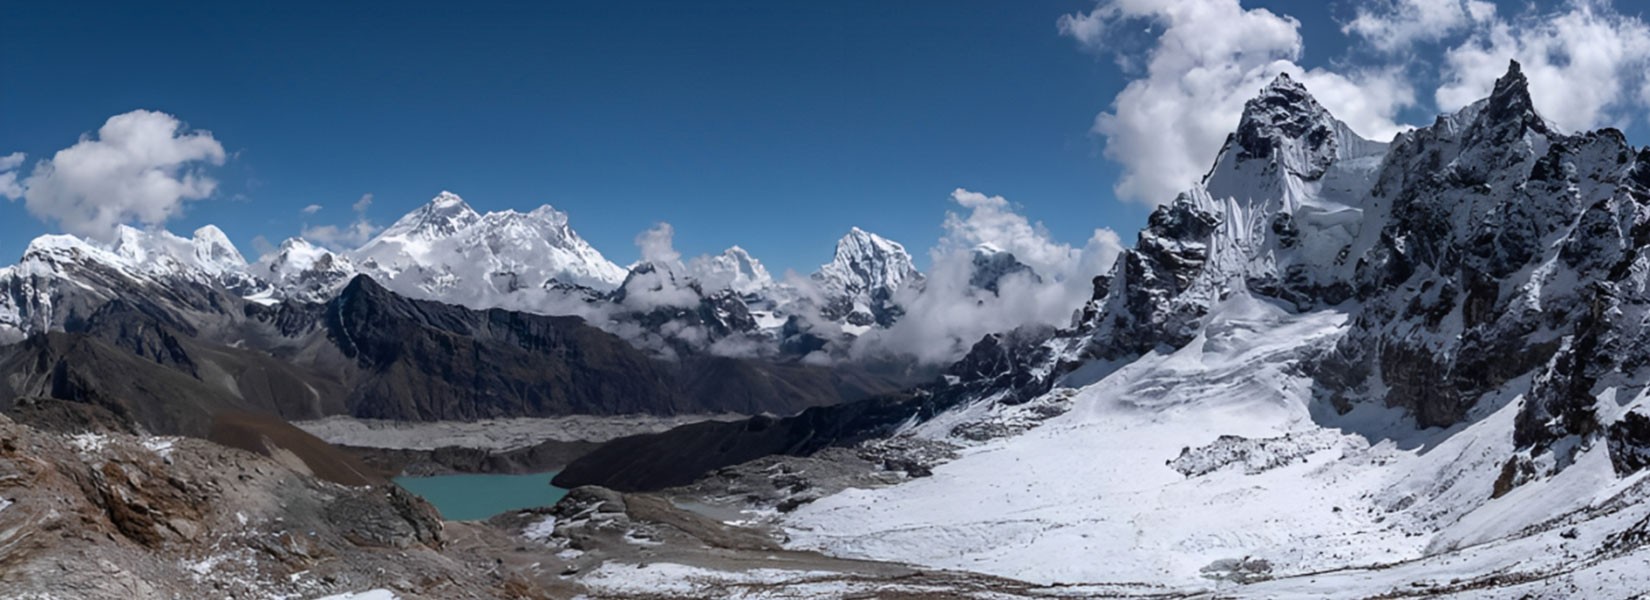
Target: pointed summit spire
x,y
865,261
1284,115
1510,100
1284,84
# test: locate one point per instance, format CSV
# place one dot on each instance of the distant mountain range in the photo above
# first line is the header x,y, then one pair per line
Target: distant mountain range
x,y
727,304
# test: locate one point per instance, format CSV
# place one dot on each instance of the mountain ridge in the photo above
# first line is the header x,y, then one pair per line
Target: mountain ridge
x,y
1382,366
534,262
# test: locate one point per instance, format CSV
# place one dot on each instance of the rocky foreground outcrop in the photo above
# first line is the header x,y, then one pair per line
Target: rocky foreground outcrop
x,y
115,515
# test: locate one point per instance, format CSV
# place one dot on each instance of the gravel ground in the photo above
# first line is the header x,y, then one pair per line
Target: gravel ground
x,y
492,434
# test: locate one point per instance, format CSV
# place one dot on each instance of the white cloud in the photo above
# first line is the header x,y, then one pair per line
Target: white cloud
x,y
1209,58
349,236
1586,64
664,286
992,220
1088,28
658,245
311,209
340,236
8,175
948,314
140,167
1394,26
263,247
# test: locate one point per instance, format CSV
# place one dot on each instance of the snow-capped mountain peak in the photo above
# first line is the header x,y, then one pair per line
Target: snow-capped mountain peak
x,y
446,251
1469,304
864,262
734,269
143,253
991,264
212,246
442,216
859,283
297,256
303,271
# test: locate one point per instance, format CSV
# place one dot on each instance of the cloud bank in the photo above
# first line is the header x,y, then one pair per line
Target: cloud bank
x,y
1395,26
949,312
343,237
8,175
140,167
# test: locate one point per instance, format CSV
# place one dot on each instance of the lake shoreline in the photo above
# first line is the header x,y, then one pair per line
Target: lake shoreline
x,y
478,497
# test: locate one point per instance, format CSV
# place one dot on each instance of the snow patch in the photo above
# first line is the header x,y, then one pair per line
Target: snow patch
x,y
540,531
376,594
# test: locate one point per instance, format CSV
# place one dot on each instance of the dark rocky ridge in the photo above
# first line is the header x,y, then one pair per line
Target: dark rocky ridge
x,y
143,364
656,461
421,360
372,353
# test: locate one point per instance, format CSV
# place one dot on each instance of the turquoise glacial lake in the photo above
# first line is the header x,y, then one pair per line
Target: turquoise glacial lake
x,y
472,497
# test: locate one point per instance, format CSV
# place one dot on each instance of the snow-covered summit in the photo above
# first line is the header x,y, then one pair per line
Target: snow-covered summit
x,y
532,261
140,253
445,250
734,269
444,215
301,270
865,262
63,277
212,247
991,264
859,282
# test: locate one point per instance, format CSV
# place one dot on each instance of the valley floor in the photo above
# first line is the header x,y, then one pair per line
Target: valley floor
x,y
491,434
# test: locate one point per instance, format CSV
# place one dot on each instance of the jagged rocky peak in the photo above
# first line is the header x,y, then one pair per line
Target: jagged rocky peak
x,y
1285,128
867,262
858,284
1510,104
1507,244
1283,111
1485,256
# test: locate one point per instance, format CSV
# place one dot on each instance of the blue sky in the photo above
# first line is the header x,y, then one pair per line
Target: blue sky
x,y
772,125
